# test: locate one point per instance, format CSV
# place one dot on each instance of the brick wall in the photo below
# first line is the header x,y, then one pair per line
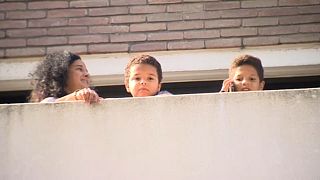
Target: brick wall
x,y
34,28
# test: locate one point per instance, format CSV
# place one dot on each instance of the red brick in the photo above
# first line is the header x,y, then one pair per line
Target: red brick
x,y
223,23
238,32
1,53
78,49
48,22
2,34
89,21
68,31
238,13
260,41
164,17
201,34
127,2
36,51
86,3
152,46
160,36
163,1
300,38
147,9
201,15
310,28
309,9
260,21
278,30
259,3
128,37
297,2
147,27
12,6
67,13
198,0
107,48
87,39
185,25
127,19
4,43
25,14
47,41
13,24
223,43
185,8
186,45
108,29
283,11
47,5
299,19
221,5
1,16
26,32
108,11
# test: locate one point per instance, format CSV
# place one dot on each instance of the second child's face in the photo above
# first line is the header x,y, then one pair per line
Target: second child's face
x,y
246,78
143,81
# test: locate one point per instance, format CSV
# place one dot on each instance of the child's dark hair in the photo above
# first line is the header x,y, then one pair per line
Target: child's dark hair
x,y
248,60
143,59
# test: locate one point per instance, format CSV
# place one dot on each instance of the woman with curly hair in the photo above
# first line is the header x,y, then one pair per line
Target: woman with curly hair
x,y
62,76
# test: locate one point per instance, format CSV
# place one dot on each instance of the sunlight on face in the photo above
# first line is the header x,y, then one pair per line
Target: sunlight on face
x,y
246,78
143,81
78,77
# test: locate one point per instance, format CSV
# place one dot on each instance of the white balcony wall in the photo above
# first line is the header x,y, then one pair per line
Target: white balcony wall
x,y
255,135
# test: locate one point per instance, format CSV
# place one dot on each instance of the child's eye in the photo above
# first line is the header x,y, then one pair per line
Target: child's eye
x,y
150,78
137,78
252,79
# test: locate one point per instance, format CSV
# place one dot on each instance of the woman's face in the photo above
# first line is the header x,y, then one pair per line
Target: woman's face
x,y
78,76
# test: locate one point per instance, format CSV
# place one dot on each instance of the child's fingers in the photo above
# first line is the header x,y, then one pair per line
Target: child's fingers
x,y
226,85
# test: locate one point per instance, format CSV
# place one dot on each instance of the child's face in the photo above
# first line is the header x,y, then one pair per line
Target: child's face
x,y
143,81
246,78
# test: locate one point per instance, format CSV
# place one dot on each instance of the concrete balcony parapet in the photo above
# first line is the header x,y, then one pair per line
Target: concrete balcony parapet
x,y
254,135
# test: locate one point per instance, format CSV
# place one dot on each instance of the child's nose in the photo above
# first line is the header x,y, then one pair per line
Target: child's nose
x,y
244,82
144,82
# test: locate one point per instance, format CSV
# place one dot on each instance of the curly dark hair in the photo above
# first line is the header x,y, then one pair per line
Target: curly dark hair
x,y
143,59
50,77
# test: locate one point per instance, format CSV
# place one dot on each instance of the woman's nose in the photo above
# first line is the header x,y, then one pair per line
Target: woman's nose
x,y
86,74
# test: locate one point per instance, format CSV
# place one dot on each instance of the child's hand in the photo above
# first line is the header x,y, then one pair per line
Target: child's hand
x,y
227,83
88,95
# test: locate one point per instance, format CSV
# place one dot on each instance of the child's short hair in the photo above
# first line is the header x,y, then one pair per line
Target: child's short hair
x,y
248,60
143,59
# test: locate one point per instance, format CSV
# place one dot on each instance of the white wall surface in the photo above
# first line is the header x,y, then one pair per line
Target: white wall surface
x,y
255,135
178,66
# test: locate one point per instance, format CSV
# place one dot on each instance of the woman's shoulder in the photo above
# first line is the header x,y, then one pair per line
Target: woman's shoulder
x,y
48,100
